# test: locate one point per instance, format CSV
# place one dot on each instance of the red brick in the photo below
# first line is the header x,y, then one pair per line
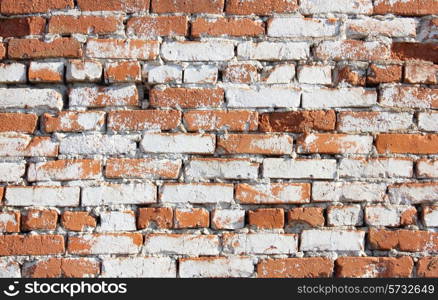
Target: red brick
x,y
15,7
137,120
415,51
268,144
142,168
34,48
403,240
384,73
406,8
407,143
2,50
428,267
153,26
77,220
18,122
73,121
266,218
45,73
312,216
227,27
260,7
125,71
297,121
19,27
374,267
31,244
192,218
214,120
308,267
9,221
186,97
155,217
188,6
84,24
114,5
37,219
351,75
62,267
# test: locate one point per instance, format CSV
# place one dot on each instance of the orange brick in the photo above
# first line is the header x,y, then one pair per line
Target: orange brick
x,y
138,120
34,48
417,51
84,24
192,218
62,267
2,50
155,217
308,267
268,144
125,71
16,122
77,220
297,121
227,27
384,73
240,73
19,27
260,7
407,143
31,244
186,97
406,8
36,219
64,170
374,267
142,168
16,7
188,6
214,120
129,6
97,243
266,218
428,267
72,121
9,221
350,75
312,216
334,143
153,26
403,240
50,73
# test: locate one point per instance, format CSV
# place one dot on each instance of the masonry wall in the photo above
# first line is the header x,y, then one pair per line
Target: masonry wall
x,y
218,138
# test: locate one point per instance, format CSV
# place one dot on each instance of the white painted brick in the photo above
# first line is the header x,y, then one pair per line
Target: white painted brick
x,y
216,267
302,27
107,243
84,71
347,215
163,74
348,191
97,96
9,269
300,168
182,244
30,98
428,121
343,97
273,51
407,96
397,27
345,144
11,172
214,50
113,194
375,168
341,50
71,170
12,73
97,144
414,193
228,218
430,216
390,216
15,144
201,74
138,267
427,169
260,243
178,143
421,73
42,196
310,7
275,193
332,240
55,68
281,73
374,122
256,96
117,221
315,74
9,221
197,193
221,168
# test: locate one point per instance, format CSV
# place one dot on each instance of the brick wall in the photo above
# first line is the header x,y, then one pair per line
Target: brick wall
x,y
218,138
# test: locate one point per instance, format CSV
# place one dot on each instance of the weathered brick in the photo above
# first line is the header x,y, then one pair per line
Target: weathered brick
x,y
144,168
182,244
13,245
412,193
9,269
12,73
186,97
341,97
268,144
427,168
196,193
266,218
384,73
350,74
117,221
178,143
374,267
62,267
216,267
421,73
223,168
96,144
346,215
49,72
113,194
38,219
334,143
260,7
407,143
138,267
274,193
42,196
415,51
84,24
227,27
299,168
84,71
35,48
428,121
302,27
397,27
74,121
260,243
373,121
273,51
124,71
103,96
348,191
12,172
279,73
297,121
105,243
310,216
201,74
129,6
139,120
406,8
315,74
155,217
19,27
38,98
192,218
214,50
163,73
240,73
408,96
10,221
375,168
309,7
390,216
113,48
18,122
11,7
188,6
213,120
64,170
308,267
15,144
151,27
352,50
427,267
261,96
403,240
332,240
228,218
77,220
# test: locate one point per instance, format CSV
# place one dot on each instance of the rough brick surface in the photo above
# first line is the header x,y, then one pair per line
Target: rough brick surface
x,y
218,138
